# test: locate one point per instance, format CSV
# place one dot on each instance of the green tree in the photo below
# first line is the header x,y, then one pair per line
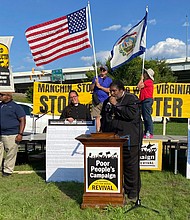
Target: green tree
x,y
130,73
90,74
29,94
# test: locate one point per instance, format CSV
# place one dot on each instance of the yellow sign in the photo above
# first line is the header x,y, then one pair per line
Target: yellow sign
x,y
151,155
170,99
6,77
4,56
102,185
54,97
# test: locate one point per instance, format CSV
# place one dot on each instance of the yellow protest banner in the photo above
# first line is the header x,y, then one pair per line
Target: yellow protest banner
x,y
170,99
54,97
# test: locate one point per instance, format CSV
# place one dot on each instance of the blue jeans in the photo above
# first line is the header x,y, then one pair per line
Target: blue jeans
x,y
146,114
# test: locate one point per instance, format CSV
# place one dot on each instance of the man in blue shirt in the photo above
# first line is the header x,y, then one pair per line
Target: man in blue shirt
x,y
100,87
12,124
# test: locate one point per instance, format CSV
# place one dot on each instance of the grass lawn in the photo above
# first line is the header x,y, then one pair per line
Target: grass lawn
x,y
172,128
30,197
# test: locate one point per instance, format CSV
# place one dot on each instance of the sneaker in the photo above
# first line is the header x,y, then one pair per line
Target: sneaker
x,y
132,197
144,136
147,134
6,174
151,136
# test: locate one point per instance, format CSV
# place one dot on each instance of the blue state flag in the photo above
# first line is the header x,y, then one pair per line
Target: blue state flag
x,y
130,45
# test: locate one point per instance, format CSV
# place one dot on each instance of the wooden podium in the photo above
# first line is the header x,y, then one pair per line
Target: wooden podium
x,y
103,170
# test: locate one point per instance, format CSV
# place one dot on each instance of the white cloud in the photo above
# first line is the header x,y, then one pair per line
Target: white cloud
x,y
29,64
19,68
101,56
114,27
29,58
152,21
127,28
89,58
186,24
40,68
170,48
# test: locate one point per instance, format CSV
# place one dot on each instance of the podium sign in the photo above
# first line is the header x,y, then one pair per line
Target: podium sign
x,y
64,154
151,155
103,170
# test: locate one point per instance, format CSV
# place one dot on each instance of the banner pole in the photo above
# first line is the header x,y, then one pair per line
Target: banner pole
x,y
93,47
187,24
144,54
143,63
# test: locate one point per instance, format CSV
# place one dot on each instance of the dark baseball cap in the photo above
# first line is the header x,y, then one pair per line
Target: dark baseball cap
x,y
104,68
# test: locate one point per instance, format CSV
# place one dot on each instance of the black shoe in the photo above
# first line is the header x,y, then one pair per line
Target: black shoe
x,y
6,174
132,195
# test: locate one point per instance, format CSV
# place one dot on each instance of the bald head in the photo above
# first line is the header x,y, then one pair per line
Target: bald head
x,y
6,96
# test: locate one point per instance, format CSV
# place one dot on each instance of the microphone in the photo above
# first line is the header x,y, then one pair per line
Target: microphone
x,y
108,107
44,113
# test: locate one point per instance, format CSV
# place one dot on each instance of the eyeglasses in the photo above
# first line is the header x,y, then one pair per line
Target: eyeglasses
x,y
113,90
2,94
71,97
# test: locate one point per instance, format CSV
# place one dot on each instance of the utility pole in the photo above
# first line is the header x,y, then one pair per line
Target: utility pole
x,y
187,25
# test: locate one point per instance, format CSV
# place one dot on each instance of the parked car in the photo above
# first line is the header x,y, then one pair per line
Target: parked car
x,y
35,123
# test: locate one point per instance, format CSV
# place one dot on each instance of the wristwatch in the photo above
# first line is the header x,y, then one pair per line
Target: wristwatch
x,y
21,134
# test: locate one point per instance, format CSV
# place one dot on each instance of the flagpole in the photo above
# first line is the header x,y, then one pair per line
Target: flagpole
x,y
187,24
93,47
144,54
143,62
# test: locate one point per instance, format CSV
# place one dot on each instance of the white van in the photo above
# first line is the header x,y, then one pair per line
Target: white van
x,y
35,123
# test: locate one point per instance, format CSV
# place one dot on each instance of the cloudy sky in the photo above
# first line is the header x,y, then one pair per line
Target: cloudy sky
x,y
167,33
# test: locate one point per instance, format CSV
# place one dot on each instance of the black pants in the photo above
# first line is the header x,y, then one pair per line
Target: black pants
x,y
131,171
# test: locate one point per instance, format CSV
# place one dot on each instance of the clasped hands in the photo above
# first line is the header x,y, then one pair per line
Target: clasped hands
x,y
112,100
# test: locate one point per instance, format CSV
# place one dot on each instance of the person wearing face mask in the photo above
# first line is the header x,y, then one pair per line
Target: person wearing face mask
x,y
75,110
121,115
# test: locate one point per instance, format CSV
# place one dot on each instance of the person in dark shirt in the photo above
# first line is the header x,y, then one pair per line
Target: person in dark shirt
x,y
75,110
12,124
121,114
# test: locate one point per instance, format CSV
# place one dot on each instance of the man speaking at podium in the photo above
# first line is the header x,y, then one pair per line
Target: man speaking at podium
x,y
75,110
121,114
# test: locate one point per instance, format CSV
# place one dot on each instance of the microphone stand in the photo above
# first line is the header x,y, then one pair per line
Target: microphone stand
x,y
138,201
39,118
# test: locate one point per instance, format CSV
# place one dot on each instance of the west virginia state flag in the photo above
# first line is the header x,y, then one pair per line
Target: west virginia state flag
x,y
130,45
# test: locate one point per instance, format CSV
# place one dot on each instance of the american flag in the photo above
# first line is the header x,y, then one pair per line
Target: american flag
x,y
59,37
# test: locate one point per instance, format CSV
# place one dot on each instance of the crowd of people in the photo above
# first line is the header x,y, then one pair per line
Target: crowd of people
x,y
113,109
